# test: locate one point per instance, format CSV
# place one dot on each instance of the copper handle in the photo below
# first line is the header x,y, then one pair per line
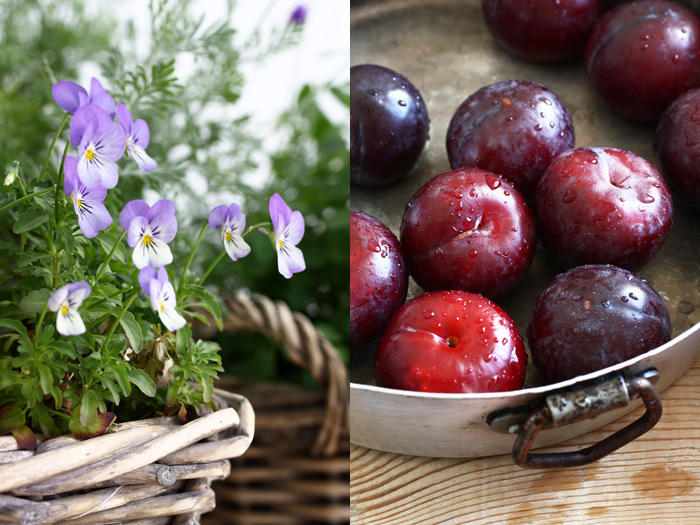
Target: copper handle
x,y
558,410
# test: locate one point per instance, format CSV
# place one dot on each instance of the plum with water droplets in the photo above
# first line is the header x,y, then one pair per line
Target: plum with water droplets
x,y
389,125
378,279
592,317
451,342
603,206
513,128
468,229
544,30
677,145
641,55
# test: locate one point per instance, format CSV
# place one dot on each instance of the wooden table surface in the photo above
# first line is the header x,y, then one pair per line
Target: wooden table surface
x,y
654,480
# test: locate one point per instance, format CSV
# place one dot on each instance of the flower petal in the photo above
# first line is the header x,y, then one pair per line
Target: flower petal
x,y
171,319
236,247
77,292
85,117
294,231
94,217
145,162
162,206
138,227
146,275
290,260
154,292
69,323
164,227
155,253
124,118
112,141
98,172
65,93
135,208
279,208
101,98
140,135
217,217
58,298
71,181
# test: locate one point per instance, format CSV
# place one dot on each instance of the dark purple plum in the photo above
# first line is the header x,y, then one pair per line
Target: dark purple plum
x,y
378,279
592,317
677,145
641,55
603,206
544,30
513,128
388,125
468,229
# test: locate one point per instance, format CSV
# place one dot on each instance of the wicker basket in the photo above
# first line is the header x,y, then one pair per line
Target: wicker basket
x,y
297,471
154,471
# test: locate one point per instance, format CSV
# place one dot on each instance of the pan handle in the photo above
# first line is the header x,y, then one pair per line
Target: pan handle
x,y
561,409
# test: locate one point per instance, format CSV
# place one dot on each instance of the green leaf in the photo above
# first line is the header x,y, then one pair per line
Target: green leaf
x,y
107,241
207,388
11,418
97,427
17,327
30,219
45,378
122,378
132,329
35,302
142,381
25,438
88,408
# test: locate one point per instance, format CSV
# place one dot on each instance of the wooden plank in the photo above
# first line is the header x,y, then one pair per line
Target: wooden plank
x,y
16,455
649,481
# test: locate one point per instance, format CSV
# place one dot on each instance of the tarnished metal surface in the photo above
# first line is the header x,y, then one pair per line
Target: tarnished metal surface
x,y
445,50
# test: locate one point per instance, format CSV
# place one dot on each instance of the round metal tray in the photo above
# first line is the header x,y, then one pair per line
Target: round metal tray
x,y
444,48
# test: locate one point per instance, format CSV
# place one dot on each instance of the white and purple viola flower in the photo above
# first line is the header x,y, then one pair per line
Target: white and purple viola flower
x,y
149,230
93,216
66,301
288,232
100,144
232,223
162,294
71,96
137,138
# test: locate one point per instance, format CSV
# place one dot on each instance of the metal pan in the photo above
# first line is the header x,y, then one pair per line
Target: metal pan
x,y
445,50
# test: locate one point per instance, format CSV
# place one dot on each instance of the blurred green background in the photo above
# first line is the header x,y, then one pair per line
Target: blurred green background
x,y
42,42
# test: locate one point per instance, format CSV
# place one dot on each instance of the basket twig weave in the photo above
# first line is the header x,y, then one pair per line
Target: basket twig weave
x,y
297,472
308,349
156,470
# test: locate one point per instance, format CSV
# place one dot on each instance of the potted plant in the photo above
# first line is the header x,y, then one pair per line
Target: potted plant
x,y
102,385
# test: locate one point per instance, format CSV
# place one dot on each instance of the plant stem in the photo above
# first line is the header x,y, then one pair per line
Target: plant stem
x,y
26,198
97,321
211,267
254,226
119,318
48,157
57,267
189,261
41,319
109,257
59,182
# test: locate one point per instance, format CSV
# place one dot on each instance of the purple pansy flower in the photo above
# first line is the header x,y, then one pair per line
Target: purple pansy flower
x,y
149,229
232,224
298,16
137,137
100,143
71,96
93,217
162,294
66,301
289,230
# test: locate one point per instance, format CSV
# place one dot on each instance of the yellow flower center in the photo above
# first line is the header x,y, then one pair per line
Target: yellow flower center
x,y
228,236
281,245
64,309
147,239
89,154
78,202
160,306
